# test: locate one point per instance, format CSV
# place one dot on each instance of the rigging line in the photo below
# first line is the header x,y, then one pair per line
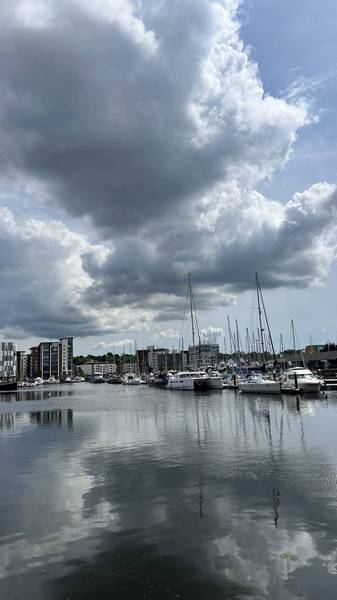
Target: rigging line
x,y
266,319
300,349
260,318
195,317
184,315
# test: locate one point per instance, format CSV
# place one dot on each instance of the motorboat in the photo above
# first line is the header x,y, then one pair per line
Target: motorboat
x,y
230,381
188,380
158,380
214,380
115,380
26,384
98,379
50,380
257,383
300,378
132,379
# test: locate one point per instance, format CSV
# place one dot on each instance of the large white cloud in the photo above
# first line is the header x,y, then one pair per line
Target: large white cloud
x,y
43,282
150,119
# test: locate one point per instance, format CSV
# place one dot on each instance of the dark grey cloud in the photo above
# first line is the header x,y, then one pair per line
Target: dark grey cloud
x,y
124,129
291,245
149,120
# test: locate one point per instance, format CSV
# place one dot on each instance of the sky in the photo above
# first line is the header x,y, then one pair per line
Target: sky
x,y
144,140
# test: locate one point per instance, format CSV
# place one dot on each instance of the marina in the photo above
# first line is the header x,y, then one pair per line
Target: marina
x,y
168,339
133,492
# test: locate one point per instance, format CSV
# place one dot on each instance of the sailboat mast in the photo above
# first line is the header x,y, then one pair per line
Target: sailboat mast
x,y
260,316
266,318
192,322
230,336
293,334
237,343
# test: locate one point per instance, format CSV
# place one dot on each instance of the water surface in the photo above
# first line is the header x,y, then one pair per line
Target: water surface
x,y
131,492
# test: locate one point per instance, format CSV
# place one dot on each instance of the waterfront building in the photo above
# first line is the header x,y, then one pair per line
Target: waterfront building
x,y
157,359
203,355
142,360
51,359
22,365
94,369
177,360
130,367
54,362
8,362
66,357
313,360
44,349
35,370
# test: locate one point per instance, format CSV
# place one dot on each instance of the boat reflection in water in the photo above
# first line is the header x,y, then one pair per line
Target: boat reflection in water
x,y
53,417
60,418
218,496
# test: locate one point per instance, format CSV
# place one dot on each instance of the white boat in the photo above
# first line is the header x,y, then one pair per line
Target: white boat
x,y
132,379
259,384
98,379
214,380
50,380
27,384
188,380
300,378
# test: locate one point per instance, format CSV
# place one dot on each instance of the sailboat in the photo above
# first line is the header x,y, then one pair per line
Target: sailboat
x,y
196,379
258,383
300,378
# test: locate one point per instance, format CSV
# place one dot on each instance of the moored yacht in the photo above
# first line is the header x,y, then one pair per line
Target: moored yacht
x,y
300,378
50,380
257,383
132,379
214,380
188,380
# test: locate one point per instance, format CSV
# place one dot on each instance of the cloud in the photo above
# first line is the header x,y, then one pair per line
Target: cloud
x,y
289,245
167,334
151,106
126,343
301,86
44,282
148,123
212,333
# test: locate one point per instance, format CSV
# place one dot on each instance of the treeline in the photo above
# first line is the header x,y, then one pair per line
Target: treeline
x,y
103,358
328,347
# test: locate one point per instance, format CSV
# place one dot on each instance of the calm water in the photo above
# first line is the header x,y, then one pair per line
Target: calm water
x,y
131,493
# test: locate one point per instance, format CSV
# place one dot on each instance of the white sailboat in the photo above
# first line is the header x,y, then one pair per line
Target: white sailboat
x,y
196,379
300,378
259,384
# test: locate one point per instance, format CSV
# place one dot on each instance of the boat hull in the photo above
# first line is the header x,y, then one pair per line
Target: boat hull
x,y
260,388
215,383
8,386
305,386
191,384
